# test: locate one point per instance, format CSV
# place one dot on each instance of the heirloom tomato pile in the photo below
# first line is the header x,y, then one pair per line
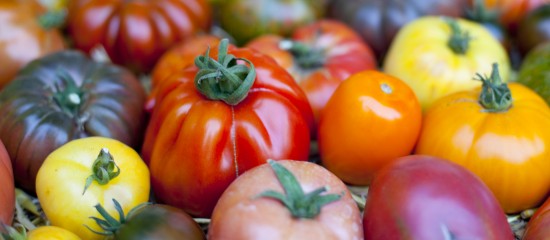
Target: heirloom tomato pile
x,y
275,119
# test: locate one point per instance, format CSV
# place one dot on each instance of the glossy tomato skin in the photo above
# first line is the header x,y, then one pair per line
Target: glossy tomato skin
x,y
159,221
538,226
110,104
177,58
268,17
240,214
421,56
7,192
508,150
195,147
535,71
62,178
370,119
51,233
136,33
424,197
22,37
378,21
534,29
342,53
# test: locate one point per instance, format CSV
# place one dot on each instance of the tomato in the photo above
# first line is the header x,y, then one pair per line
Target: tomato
x,y
538,226
248,19
23,37
535,71
499,132
51,233
295,200
65,96
424,197
212,122
149,221
378,21
438,56
7,191
511,11
136,33
319,56
534,28
370,119
177,58
489,19
89,171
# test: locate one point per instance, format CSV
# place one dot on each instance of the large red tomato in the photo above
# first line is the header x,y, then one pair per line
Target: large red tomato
x,y
7,191
136,33
371,119
423,197
216,120
539,225
286,201
23,36
319,56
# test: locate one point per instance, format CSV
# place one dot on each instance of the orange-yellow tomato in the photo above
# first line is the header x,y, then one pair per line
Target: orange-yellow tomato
x,y
371,119
51,233
509,150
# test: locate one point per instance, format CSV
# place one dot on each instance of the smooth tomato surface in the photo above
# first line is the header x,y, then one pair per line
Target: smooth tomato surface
x,y
423,197
51,233
370,119
538,226
61,180
7,191
319,56
241,214
508,150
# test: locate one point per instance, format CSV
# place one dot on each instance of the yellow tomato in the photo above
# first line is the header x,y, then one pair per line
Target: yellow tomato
x,y
422,56
51,233
62,178
509,149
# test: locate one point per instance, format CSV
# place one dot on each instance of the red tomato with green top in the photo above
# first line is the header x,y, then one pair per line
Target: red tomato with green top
x,y
216,120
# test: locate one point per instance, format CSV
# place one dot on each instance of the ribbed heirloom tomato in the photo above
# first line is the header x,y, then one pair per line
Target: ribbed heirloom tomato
x,y
216,120
135,33
499,132
319,56
371,119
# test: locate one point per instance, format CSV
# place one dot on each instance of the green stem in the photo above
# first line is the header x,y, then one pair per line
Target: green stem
x,y
300,204
224,79
109,224
68,96
52,19
305,56
481,14
495,95
459,40
104,169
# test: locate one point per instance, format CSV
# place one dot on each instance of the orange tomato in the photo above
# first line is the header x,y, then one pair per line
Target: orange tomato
x,y
371,119
511,11
508,148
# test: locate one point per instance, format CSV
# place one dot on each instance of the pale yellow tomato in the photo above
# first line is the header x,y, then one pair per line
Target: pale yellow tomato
x,y
51,233
422,56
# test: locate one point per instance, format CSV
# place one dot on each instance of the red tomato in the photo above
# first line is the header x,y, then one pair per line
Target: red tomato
x,y
136,33
370,119
204,133
423,197
245,212
7,191
319,56
511,11
539,225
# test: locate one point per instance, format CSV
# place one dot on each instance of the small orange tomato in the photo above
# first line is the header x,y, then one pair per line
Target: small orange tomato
x,y
500,133
371,119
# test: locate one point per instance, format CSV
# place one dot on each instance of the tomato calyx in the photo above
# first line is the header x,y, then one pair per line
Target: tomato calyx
x,y
306,57
109,224
52,19
300,204
224,79
459,40
67,95
495,95
103,169
480,13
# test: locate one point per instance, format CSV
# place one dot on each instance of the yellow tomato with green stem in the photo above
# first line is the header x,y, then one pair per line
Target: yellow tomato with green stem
x,y
89,171
498,131
437,56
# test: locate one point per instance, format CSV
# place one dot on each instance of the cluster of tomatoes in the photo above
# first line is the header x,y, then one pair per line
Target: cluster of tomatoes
x,y
139,119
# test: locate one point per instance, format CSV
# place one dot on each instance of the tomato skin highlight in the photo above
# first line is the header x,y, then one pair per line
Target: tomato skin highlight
x,y
424,197
371,119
